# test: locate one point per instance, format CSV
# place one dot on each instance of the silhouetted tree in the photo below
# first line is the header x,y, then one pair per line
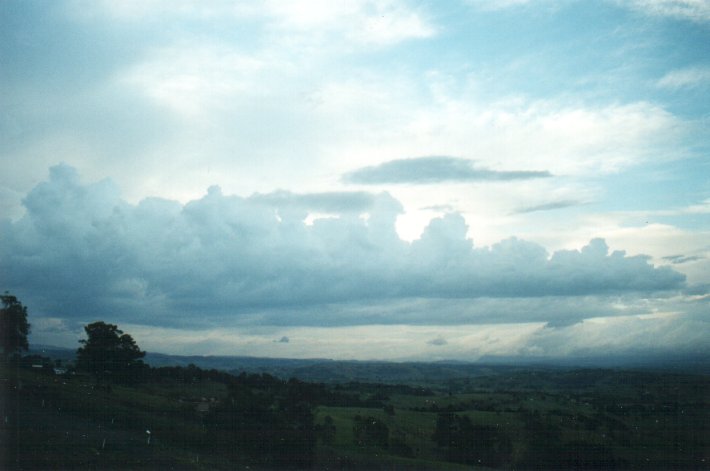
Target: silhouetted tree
x,y
13,326
109,353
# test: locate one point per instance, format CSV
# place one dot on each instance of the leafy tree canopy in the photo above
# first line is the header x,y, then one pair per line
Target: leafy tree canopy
x,y
13,325
109,353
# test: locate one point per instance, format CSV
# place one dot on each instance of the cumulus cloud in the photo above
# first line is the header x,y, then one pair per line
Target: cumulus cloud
x,y
82,251
423,170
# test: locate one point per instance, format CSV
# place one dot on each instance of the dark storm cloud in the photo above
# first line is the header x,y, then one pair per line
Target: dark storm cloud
x,y
424,170
81,252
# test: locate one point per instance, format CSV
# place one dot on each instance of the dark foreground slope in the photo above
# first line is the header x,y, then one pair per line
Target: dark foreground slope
x,y
504,419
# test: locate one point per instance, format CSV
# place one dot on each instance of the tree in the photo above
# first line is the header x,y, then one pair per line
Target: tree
x,y
109,353
13,326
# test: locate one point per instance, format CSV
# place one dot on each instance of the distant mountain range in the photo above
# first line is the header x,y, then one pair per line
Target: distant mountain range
x,y
334,371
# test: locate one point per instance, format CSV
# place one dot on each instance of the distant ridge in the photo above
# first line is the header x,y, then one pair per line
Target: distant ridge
x,y
334,371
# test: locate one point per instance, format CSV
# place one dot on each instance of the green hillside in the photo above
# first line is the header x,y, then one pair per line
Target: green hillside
x,y
207,419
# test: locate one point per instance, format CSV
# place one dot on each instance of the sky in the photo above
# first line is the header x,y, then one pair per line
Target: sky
x,y
394,180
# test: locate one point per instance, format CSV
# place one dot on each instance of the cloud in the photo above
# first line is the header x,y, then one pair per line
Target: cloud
x,y
356,21
379,23
657,333
694,10
288,93
701,208
366,342
677,259
81,251
491,5
626,335
437,342
548,206
685,78
425,170
330,202
257,96
446,208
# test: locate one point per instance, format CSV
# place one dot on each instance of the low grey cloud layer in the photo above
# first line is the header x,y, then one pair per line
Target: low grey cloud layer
x,y
82,252
427,170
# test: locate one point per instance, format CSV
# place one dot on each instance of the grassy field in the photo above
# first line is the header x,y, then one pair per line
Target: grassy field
x,y
621,419
583,419
70,422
